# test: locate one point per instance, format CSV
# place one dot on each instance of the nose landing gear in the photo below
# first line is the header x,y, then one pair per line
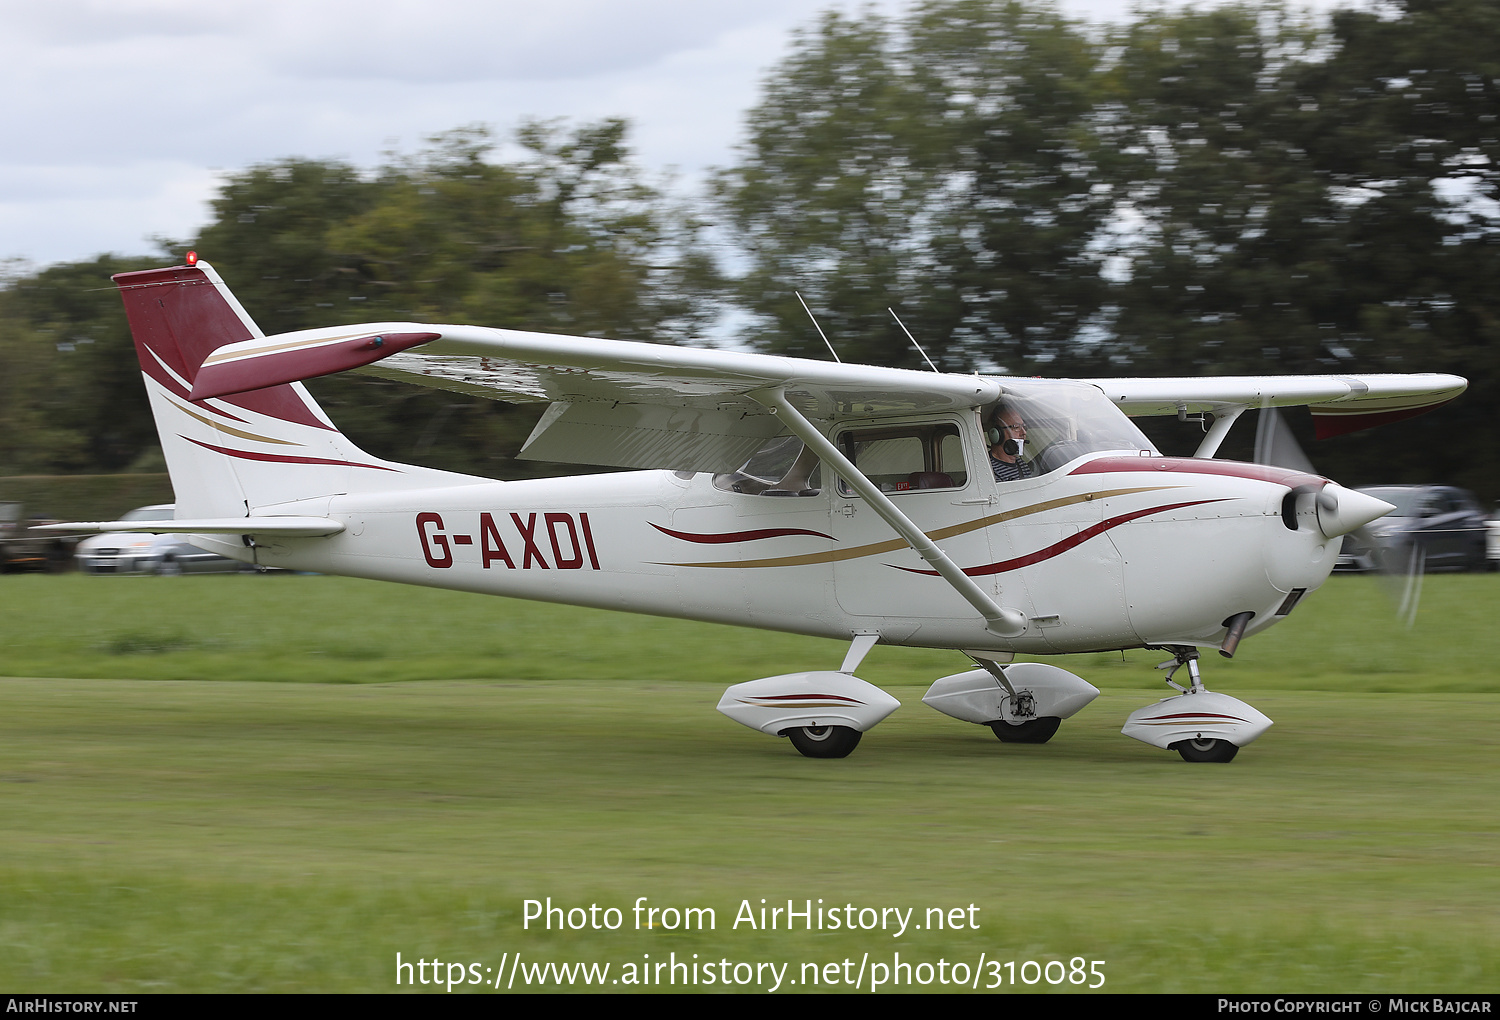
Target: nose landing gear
x,y
1198,724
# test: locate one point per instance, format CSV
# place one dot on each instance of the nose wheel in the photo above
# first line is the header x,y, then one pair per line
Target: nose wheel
x,y
824,741
1198,724
1211,749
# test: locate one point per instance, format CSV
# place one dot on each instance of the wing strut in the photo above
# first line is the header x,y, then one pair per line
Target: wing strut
x,y
1224,418
1004,622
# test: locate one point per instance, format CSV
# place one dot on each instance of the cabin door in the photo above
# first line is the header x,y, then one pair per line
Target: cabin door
x,y
928,470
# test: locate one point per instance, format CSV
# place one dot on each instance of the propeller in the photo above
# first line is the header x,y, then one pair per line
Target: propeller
x,y
1275,446
1401,570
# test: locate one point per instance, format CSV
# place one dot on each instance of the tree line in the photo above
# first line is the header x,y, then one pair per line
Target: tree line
x,y
1240,189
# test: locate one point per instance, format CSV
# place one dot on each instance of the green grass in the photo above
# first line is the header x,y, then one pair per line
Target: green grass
x,y
337,630
171,826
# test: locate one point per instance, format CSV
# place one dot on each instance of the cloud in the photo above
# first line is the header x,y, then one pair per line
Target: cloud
x,y
414,41
72,212
113,100
108,99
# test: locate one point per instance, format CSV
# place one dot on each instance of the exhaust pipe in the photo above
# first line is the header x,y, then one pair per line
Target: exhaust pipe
x,y
1236,624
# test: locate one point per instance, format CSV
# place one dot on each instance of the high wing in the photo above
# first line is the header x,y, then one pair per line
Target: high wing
x,y
641,405
613,402
1339,403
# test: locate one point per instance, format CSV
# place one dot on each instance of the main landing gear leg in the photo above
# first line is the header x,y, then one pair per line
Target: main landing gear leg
x,y
1198,724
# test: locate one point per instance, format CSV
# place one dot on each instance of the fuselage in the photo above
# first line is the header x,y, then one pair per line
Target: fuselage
x,y
1112,550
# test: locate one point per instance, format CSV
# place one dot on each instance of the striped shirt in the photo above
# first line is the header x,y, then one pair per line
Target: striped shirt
x,y
1009,471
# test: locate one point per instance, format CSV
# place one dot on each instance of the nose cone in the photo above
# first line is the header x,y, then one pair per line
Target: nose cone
x,y
1341,510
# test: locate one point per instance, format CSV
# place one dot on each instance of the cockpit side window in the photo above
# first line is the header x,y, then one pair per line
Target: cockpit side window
x,y
901,458
782,467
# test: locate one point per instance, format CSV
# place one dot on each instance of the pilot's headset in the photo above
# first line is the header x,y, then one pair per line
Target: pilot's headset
x,y
1012,447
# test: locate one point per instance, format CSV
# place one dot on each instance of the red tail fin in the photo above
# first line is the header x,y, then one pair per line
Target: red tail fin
x,y
230,455
179,316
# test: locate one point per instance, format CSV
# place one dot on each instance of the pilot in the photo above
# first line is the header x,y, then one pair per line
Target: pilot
x,y
1008,440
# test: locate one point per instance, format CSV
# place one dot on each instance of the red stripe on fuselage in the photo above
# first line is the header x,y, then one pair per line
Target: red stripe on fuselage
x,y
739,536
1058,548
1201,466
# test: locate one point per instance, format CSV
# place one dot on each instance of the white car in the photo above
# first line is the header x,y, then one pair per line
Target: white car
x,y
130,552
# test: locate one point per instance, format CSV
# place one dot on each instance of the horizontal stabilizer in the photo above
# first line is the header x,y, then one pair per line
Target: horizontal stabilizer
x,y
288,527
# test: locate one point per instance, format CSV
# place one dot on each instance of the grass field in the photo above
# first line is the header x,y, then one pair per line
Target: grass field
x,y
173,822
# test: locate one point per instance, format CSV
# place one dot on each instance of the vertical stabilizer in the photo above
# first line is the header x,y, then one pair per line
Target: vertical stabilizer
x,y
233,454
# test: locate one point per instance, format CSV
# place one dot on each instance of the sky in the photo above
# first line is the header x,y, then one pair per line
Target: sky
x,y
121,116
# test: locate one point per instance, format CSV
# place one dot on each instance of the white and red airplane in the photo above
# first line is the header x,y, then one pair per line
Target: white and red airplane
x,y
843,501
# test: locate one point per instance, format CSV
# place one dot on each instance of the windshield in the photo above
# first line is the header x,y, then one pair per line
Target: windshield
x,y
1064,421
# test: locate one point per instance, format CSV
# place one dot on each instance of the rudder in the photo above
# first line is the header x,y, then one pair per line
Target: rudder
x,y
249,450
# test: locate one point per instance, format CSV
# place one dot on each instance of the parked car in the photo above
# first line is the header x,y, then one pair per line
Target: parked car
x,y
132,552
22,548
1447,525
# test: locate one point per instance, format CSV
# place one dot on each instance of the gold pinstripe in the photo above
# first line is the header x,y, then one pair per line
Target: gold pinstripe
x,y
227,430
835,555
212,358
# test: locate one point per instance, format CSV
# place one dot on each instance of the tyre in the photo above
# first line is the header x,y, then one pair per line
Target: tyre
x,y
169,568
1206,750
825,741
1032,731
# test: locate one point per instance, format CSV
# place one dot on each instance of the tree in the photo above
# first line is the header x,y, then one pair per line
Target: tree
x,y
1240,189
1320,200
70,395
1407,127
1229,232
943,165
570,239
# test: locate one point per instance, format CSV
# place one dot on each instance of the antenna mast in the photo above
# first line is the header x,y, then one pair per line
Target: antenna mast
x,y
814,319
913,340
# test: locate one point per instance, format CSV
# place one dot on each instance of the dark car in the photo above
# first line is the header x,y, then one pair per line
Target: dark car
x,y
1446,527
23,548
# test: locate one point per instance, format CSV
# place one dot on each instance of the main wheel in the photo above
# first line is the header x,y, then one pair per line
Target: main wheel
x,y
1206,750
825,741
1032,731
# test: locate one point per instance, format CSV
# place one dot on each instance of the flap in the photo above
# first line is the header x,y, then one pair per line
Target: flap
x,y
648,436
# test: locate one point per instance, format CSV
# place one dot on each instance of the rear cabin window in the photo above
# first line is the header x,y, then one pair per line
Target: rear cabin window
x,y
901,458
